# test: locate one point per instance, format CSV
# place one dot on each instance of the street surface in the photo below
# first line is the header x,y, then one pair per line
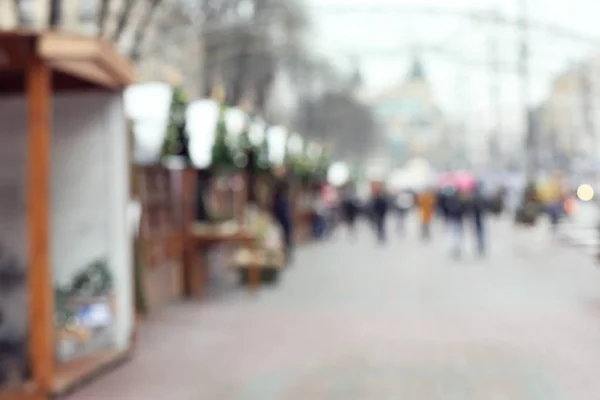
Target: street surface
x,y
353,320
581,229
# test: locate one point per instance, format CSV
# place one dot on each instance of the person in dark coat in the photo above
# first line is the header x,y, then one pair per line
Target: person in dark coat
x,y
282,214
477,207
442,202
455,210
379,209
349,209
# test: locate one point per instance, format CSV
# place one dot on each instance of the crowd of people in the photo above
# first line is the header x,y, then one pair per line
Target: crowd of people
x,y
463,210
460,209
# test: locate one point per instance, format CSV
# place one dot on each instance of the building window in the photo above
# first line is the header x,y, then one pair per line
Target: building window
x,y
87,10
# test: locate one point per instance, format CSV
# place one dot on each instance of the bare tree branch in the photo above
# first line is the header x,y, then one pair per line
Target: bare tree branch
x,y
142,28
55,14
102,17
123,20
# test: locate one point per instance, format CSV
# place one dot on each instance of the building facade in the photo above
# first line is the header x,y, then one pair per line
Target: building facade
x,y
567,121
411,118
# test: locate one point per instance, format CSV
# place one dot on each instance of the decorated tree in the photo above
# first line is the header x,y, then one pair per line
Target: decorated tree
x,y
176,139
223,156
300,165
262,160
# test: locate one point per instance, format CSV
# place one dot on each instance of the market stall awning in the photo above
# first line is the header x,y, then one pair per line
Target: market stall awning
x,y
77,63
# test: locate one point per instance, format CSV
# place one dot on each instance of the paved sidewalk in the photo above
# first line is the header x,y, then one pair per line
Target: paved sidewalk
x,y
581,229
355,321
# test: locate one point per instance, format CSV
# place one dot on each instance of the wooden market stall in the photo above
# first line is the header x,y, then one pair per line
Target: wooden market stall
x,y
65,262
202,236
161,241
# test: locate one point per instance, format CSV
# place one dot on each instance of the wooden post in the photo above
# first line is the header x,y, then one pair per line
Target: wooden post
x,y
39,272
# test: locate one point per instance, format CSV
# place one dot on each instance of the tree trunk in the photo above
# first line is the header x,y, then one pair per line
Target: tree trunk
x,y
238,81
138,37
102,16
123,19
262,92
55,14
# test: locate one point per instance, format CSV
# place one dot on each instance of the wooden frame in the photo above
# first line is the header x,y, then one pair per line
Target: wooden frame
x,y
39,64
160,236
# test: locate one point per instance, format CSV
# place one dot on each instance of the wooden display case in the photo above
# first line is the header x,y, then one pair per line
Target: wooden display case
x,y
41,76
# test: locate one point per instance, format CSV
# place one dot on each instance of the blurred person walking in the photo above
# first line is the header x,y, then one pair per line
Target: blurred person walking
x,y
349,209
426,204
442,203
477,207
319,216
330,210
379,210
282,213
455,210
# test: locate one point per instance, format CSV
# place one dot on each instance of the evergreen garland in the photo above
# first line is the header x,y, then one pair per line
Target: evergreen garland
x,y
301,165
223,156
175,142
262,159
94,280
322,167
256,156
306,168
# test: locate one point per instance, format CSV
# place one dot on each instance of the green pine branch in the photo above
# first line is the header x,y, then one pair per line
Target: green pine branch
x,y
179,103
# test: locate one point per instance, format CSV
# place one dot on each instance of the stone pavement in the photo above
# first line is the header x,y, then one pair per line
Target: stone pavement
x,y
581,229
354,321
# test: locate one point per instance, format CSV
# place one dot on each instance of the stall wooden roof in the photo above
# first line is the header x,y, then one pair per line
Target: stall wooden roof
x,y
77,63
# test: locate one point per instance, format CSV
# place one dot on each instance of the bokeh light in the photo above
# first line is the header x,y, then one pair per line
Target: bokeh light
x,y
338,173
585,192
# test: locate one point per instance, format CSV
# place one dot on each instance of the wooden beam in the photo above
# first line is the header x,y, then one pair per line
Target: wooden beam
x,y
86,71
56,46
61,48
39,274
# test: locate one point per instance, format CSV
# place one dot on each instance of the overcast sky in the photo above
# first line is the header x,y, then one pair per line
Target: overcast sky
x,y
382,42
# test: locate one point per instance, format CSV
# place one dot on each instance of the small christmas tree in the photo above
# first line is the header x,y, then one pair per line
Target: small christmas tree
x,y
222,154
262,158
175,142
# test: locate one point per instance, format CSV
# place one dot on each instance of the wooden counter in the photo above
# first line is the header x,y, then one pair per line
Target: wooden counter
x,y
198,241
